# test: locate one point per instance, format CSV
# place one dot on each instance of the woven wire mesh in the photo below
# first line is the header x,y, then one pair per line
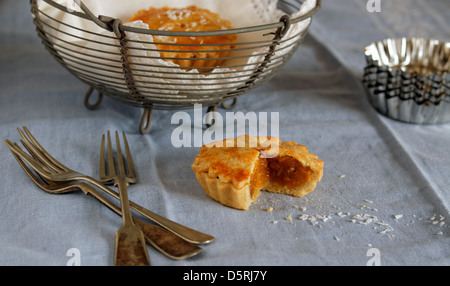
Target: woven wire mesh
x,y
124,63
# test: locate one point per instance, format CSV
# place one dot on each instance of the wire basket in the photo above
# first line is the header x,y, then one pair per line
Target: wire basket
x,y
124,62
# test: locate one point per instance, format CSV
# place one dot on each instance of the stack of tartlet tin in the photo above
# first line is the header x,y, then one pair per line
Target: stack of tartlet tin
x,y
409,79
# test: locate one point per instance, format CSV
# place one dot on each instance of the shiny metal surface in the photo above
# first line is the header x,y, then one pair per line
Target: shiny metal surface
x,y
130,248
409,79
51,169
164,241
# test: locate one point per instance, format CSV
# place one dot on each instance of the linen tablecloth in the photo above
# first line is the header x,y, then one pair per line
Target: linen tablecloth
x,y
384,198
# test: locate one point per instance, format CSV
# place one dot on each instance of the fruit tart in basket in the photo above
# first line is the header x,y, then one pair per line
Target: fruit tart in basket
x,y
203,52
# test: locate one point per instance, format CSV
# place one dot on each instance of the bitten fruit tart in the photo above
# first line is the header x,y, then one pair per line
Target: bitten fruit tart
x,y
234,171
189,52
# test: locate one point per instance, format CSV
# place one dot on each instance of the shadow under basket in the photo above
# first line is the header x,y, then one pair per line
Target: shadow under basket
x,y
118,60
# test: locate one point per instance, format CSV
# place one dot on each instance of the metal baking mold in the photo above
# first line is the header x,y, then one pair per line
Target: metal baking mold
x,y
409,79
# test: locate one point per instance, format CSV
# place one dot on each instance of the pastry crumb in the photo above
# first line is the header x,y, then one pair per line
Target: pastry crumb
x,y
269,209
288,218
399,216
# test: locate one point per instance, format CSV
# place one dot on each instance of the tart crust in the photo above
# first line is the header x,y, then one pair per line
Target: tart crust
x,y
235,174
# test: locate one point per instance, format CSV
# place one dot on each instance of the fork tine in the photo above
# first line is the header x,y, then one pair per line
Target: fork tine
x,y
34,155
28,171
129,159
111,168
119,157
40,151
36,165
35,152
43,183
102,164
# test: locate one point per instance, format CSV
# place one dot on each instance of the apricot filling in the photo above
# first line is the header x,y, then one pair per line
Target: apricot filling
x,y
279,173
287,172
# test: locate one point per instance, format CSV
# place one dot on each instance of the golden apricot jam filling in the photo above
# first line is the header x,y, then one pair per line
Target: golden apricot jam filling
x,y
280,171
287,171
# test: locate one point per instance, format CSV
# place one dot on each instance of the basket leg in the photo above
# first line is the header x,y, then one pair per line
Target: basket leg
x,y
87,99
231,105
211,111
146,121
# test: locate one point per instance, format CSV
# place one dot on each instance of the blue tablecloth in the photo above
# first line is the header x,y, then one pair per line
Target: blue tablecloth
x,y
384,198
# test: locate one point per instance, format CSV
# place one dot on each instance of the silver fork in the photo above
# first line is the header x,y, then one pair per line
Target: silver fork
x,y
164,241
51,169
130,247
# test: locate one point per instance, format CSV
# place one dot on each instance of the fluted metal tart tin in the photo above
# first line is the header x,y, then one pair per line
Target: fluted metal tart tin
x,y
408,79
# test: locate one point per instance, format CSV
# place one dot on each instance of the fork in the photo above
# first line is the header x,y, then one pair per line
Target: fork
x,y
130,247
51,169
164,241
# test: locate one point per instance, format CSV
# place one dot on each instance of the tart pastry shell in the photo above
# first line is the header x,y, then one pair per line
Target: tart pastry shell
x,y
225,193
234,176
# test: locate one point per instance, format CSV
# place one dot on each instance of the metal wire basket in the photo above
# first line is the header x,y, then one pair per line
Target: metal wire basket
x,y
115,62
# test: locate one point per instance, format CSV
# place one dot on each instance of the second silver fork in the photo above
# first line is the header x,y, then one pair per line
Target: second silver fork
x,y
130,248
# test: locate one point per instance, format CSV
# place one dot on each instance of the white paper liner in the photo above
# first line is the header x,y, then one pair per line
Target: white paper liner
x,y
88,41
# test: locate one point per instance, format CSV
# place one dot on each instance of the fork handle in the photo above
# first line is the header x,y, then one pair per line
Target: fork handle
x,y
122,185
182,231
163,240
188,234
